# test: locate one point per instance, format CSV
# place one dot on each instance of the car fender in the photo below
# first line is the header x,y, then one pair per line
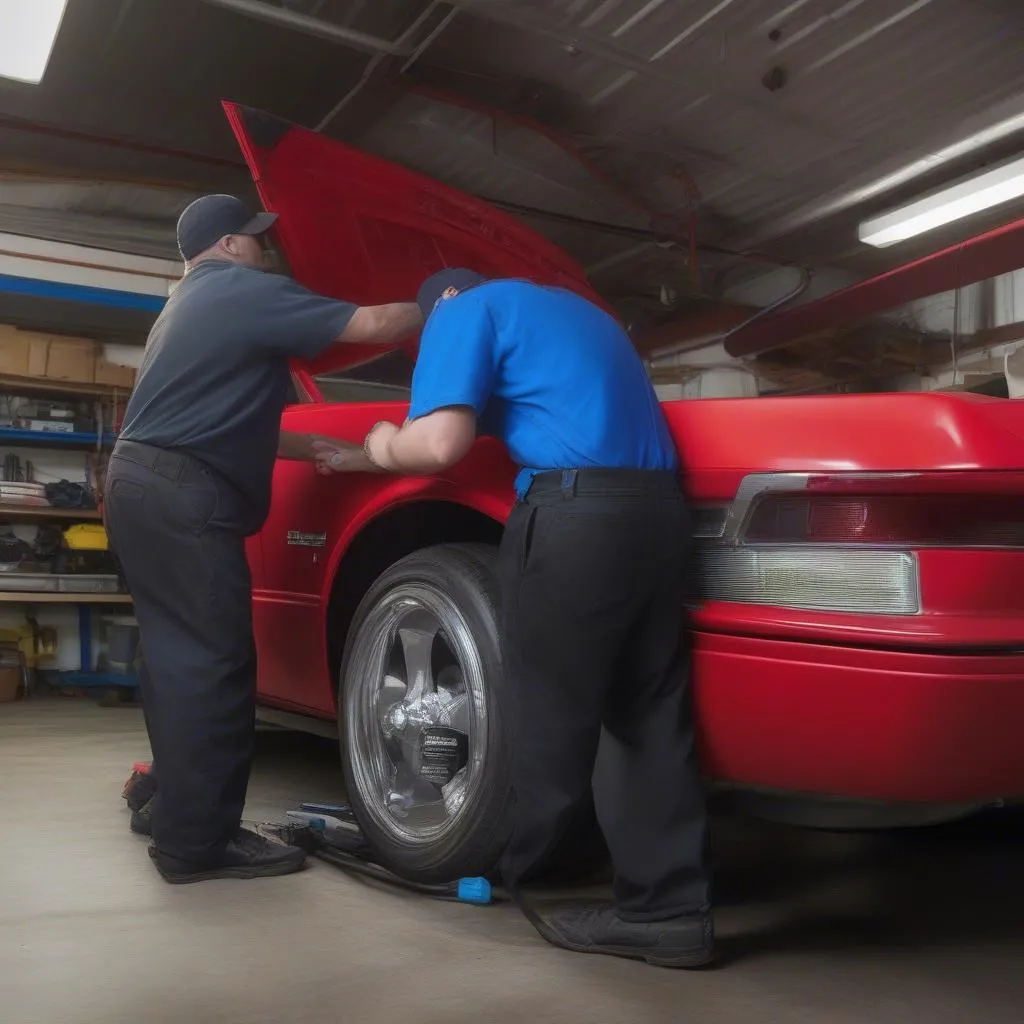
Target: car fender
x,y
486,499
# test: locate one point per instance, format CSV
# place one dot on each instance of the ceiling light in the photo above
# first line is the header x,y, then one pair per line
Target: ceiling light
x,y
28,29
968,197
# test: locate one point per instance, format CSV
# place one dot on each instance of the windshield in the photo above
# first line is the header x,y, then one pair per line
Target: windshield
x,y
387,379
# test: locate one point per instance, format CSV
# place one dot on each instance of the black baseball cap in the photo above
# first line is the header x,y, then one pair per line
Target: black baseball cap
x,y
437,284
209,219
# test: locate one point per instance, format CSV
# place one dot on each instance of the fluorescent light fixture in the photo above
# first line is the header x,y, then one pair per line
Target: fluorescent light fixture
x,y
981,192
28,29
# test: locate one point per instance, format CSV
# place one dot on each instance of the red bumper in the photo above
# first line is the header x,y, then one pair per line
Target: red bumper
x,y
877,725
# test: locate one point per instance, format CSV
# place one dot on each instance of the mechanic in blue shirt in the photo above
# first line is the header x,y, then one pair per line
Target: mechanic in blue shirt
x,y
592,568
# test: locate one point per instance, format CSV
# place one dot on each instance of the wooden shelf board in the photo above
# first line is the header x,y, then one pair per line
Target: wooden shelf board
x,y
60,597
14,382
26,512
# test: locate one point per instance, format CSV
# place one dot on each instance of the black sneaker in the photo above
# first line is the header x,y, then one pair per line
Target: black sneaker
x,y
596,928
246,856
141,821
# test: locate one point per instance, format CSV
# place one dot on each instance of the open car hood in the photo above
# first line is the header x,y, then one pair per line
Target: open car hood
x,y
356,227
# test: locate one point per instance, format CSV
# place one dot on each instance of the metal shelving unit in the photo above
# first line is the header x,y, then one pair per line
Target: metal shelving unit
x,y
85,603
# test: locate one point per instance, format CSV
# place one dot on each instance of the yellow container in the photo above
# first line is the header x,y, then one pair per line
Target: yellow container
x,y
86,537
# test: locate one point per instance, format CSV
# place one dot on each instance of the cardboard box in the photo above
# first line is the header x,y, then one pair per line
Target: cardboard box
x,y
113,374
53,356
14,352
38,353
23,353
71,359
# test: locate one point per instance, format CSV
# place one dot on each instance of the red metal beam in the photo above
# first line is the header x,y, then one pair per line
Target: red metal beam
x,y
976,259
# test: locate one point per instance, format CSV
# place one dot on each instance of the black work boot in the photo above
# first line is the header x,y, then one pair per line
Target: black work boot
x,y
596,928
141,821
248,855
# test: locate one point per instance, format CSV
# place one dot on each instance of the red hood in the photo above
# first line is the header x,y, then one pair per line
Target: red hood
x,y
359,228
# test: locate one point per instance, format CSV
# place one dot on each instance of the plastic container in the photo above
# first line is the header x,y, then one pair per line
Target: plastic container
x,y
122,642
86,537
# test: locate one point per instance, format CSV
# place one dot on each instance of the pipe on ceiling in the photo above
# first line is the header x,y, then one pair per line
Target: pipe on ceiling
x,y
712,327
987,255
406,37
285,18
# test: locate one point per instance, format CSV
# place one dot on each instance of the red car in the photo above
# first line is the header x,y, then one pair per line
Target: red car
x,y
858,608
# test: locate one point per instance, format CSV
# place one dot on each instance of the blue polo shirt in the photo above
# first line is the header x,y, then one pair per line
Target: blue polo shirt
x,y
547,372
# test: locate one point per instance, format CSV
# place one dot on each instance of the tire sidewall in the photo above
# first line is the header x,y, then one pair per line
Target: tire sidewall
x,y
467,575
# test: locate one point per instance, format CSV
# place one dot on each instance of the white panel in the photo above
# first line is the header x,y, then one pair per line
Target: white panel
x,y
65,273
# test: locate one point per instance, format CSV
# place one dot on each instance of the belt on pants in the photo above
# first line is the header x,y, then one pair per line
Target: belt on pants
x,y
175,466
569,483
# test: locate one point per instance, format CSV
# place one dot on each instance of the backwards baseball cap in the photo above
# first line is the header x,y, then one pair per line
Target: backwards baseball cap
x,y
437,284
209,219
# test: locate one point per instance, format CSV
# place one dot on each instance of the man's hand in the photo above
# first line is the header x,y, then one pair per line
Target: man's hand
x,y
335,456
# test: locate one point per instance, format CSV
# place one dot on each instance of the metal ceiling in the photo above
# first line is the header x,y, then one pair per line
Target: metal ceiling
x,y
615,126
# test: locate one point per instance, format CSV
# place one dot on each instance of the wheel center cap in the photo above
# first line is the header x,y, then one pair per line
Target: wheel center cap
x,y
397,718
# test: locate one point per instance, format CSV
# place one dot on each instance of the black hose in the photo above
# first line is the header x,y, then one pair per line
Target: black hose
x,y
350,851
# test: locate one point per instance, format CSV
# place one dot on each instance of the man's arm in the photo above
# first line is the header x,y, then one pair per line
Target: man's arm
x,y
451,385
424,446
330,454
334,456
296,447
421,447
396,321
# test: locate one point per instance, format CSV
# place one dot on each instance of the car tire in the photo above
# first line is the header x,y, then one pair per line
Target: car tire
x,y
424,829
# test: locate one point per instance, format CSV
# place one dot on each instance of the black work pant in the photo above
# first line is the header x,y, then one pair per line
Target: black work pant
x,y
178,530
592,570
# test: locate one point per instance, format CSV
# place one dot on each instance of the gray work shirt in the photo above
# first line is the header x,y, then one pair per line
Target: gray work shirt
x,y
214,380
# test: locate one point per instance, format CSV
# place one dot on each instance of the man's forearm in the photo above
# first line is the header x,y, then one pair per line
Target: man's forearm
x,y
382,325
296,447
344,457
398,321
410,451
424,446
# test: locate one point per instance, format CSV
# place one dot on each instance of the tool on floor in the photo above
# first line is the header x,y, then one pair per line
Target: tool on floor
x,y
331,833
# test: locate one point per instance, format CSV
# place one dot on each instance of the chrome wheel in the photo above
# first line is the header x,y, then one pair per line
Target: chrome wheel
x,y
415,713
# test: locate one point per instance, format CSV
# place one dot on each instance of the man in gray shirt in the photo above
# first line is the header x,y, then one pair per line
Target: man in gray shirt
x,y
188,481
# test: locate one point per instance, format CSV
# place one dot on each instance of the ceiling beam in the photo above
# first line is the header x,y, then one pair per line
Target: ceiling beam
x,y
283,17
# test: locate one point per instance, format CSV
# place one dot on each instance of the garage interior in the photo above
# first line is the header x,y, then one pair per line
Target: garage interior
x,y
710,164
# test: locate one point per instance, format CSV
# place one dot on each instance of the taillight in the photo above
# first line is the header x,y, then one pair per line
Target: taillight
x,y
846,542
907,520
819,579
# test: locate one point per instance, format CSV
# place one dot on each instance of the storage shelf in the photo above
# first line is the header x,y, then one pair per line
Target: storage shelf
x,y
60,597
25,513
46,439
44,385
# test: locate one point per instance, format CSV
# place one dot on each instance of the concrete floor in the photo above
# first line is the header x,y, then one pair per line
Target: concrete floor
x,y
816,928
